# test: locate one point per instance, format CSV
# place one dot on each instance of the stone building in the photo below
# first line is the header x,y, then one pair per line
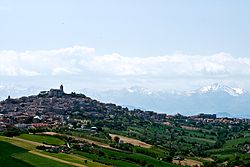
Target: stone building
x,y
56,92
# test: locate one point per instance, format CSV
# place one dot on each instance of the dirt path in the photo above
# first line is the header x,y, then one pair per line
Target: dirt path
x,y
57,159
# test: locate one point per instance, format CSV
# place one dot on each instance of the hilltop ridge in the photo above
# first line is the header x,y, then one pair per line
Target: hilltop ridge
x,y
54,107
162,138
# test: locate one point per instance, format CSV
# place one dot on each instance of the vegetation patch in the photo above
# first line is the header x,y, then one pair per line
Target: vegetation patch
x,y
7,155
36,160
45,139
131,141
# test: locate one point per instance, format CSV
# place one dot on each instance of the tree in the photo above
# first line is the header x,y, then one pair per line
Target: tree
x,y
116,139
168,158
12,132
209,164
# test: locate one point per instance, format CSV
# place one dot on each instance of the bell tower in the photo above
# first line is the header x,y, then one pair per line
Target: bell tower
x,y
61,88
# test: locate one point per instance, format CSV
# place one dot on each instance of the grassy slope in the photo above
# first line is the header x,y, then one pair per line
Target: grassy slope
x,y
51,140
11,155
75,158
232,143
121,159
6,155
117,163
200,140
42,161
229,150
39,161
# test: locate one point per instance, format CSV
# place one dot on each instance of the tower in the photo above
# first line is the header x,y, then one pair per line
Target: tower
x,y
61,88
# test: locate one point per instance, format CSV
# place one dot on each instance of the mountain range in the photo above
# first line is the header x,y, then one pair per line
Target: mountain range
x,y
223,100
220,99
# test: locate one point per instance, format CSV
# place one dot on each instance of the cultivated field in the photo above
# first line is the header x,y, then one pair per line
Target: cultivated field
x,y
132,141
50,140
23,152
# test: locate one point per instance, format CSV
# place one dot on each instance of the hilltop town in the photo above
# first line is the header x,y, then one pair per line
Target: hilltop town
x,y
177,137
54,108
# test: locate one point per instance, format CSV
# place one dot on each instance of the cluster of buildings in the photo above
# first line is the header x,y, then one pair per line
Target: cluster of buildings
x,y
56,149
44,110
55,108
211,118
197,121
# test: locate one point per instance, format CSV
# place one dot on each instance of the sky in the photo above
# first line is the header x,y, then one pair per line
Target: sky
x,y
159,44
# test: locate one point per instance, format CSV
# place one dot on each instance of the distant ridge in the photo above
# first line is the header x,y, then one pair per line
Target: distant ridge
x,y
214,98
216,87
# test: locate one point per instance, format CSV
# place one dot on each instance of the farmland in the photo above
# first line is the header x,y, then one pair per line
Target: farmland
x,y
132,141
24,153
7,152
16,156
99,134
50,140
132,151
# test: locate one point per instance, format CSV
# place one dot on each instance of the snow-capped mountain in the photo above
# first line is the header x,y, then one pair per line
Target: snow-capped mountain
x,y
215,98
137,89
210,89
216,87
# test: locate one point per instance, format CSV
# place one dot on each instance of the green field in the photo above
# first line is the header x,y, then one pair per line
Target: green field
x,y
229,147
16,154
6,155
50,140
198,134
11,155
75,158
36,160
124,159
229,150
232,143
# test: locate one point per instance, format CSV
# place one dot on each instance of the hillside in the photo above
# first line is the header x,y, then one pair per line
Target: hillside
x,y
113,135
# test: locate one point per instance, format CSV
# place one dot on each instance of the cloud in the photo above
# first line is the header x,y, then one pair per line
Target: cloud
x,y
62,71
43,62
218,65
80,60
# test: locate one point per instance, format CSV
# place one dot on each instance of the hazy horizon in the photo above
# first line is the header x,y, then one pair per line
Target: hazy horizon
x,y
111,45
